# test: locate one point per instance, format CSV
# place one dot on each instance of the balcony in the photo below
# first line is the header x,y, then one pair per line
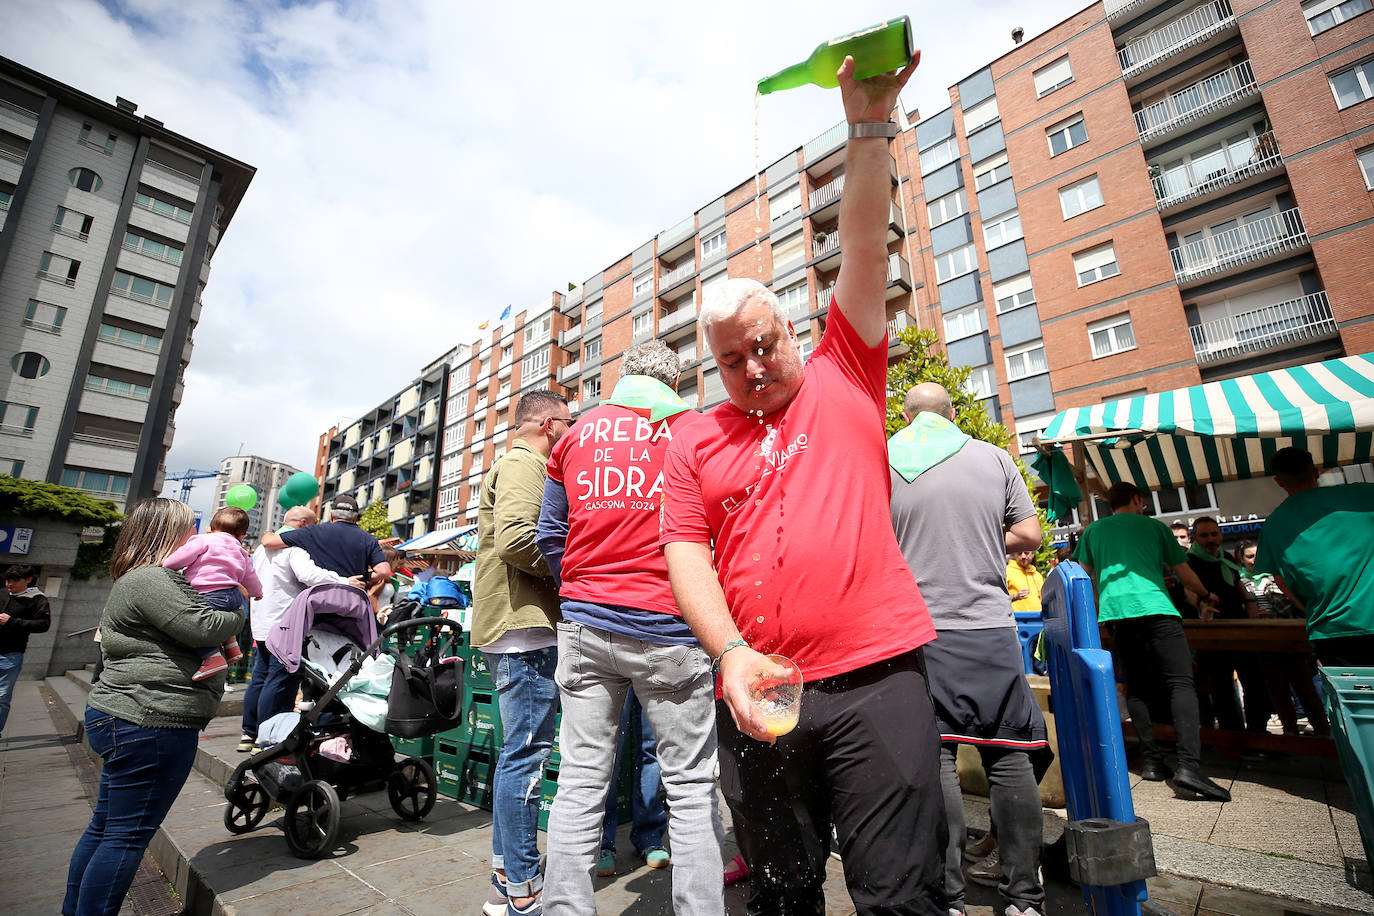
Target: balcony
x,y
827,143
1116,10
570,336
675,234
683,318
898,322
823,298
1223,168
676,275
826,193
1244,244
823,244
898,276
1268,328
16,120
569,372
1203,98
1174,37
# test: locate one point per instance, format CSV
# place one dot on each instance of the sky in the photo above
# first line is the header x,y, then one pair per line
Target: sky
x,y
422,164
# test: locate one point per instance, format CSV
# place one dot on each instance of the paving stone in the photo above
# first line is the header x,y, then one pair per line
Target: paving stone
x,y
1180,894
335,895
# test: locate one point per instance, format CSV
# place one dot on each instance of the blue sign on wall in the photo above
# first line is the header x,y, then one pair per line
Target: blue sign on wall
x,y
15,540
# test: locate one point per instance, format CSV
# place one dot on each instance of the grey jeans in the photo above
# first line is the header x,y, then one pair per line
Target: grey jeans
x,y
676,688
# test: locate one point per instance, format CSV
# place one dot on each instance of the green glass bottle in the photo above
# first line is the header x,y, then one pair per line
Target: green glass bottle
x,y
876,49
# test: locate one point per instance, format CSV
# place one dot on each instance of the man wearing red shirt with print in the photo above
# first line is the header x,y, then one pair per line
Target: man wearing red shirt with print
x,y
789,482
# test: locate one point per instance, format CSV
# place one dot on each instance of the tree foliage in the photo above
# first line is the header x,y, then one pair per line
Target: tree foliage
x,y
37,499
93,557
373,520
926,362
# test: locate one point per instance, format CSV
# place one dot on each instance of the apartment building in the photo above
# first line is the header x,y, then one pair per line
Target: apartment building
x,y
263,475
391,453
108,226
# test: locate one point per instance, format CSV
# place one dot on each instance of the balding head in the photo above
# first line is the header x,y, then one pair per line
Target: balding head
x,y
928,397
299,517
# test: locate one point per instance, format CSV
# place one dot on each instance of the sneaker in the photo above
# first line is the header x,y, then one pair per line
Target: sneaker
x,y
496,897
657,858
213,665
231,650
605,866
534,908
1013,910
987,872
246,743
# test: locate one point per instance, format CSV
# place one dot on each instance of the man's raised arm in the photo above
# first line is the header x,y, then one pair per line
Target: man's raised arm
x,y
866,201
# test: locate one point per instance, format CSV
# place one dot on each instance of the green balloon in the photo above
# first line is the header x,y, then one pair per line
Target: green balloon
x,y
301,487
241,497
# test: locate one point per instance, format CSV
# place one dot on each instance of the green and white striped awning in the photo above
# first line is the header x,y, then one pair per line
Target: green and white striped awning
x,y
1227,430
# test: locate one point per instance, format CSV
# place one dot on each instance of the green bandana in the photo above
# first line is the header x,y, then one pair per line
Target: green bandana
x,y
640,392
929,440
1228,567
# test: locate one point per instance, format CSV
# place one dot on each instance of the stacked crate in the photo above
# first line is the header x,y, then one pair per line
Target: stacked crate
x,y
465,757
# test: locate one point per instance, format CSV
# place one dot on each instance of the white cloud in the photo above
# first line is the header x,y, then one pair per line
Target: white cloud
x,y
423,164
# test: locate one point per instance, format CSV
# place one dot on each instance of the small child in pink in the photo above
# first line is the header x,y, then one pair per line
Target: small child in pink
x,y
215,565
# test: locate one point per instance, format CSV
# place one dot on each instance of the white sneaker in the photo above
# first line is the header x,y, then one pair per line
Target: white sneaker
x,y
1013,910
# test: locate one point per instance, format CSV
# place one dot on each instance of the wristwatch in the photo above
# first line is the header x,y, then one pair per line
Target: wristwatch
x,y
886,129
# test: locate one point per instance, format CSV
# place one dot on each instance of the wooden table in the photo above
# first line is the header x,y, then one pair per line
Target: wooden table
x,y
1253,635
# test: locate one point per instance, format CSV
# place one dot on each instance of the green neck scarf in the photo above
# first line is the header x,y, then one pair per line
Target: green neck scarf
x,y
639,392
929,440
1229,568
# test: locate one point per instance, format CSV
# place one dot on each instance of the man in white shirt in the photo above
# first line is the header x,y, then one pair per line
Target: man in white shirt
x,y
284,573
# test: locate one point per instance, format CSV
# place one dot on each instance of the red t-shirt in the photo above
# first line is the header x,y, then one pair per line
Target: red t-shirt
x,y
611,465
797,507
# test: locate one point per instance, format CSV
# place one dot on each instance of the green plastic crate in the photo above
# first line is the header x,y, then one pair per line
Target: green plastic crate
x,y
449,756
414,747
1349,694
623,804
464,771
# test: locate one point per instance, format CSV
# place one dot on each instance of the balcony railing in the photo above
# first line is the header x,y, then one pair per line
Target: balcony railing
x,y
1273,326
1188,30
18,110
11,155
827,192
823,298
1243,244
827,243
897,269
827,141
570,371
104,441
1115,9
899,321
571,334
1188,182
676,274
1196,101
677,318
671,236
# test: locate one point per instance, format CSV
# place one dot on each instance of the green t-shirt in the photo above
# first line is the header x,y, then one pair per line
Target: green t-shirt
x,y
1321,541
1127,553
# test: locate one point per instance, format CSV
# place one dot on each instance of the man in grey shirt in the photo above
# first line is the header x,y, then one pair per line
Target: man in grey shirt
x,y
959,506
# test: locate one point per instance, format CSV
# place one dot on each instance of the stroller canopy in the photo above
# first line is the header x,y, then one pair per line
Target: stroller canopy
x,y
333,607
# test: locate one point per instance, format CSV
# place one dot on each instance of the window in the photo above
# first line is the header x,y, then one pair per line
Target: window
x,y
981,383
44,316
644,284
990,171
1065,135
1111,335
965,323
1354,84
591,352
1027,428
507,353
1013,293
58,269
980,115
942,153
11,466
537,361
1366,160
946,208
84,179
786,252
142,244
1327,14
28,364
1080,197
643,324
794,299
955,263
538,331
1095,264
591,388
1002,229
784,202
117,387
90,137
71,223
1026,360
6,196
133,286
179,211
1052,76
18,419
95,481
713,246
593,314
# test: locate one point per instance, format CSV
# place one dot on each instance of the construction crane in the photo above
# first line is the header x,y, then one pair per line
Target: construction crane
x,y
187,476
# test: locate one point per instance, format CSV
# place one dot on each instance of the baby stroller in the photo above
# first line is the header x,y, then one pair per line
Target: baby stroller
x,y
338,744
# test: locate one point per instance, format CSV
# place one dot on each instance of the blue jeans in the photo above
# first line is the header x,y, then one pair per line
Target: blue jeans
x,y
144,770
528,700
10,665
271,689
223,599
648,819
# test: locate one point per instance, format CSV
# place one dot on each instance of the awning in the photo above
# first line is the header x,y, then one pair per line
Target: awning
x,y
1227,430
436,539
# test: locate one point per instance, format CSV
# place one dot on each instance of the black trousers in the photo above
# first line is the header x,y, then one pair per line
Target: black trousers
x,y
1347,651
865,756
1151,649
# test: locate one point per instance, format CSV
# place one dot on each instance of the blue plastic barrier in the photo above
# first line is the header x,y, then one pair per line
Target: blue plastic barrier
x,y
1091,752
1028,627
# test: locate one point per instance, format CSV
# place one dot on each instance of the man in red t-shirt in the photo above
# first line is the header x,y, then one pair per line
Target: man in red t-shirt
x,y
621,630
789,482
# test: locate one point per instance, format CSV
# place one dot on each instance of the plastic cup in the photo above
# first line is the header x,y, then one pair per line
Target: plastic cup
x,y
776,695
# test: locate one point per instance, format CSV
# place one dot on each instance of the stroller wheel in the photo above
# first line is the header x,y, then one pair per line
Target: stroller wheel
x,y
411,788
248,804
312,820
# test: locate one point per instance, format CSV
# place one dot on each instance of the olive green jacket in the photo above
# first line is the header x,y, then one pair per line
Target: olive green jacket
x,y
511,587
149,632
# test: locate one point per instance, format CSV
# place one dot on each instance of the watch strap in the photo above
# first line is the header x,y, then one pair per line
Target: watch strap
x,y
886,129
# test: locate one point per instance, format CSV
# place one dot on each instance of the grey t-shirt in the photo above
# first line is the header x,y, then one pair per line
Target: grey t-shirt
x,y
950,523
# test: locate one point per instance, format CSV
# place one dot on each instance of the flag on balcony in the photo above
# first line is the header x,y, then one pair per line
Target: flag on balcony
x,y
1227,430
